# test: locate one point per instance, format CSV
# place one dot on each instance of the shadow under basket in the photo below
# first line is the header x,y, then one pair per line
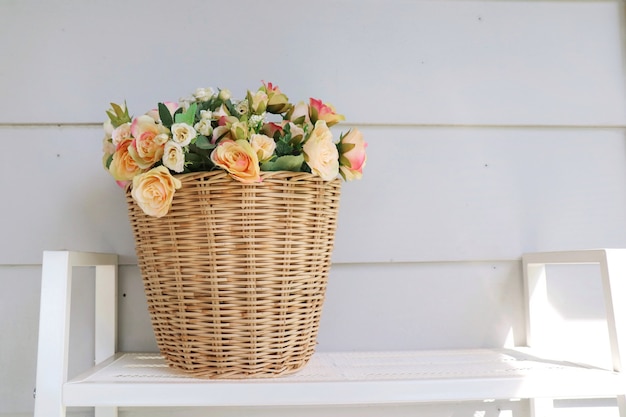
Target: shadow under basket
x,y
235,274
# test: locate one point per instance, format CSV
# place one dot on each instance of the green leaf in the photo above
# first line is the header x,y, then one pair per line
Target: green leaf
x,y
202,142
345,161
108,161
283,148
346,147
164,114
284,163
187,116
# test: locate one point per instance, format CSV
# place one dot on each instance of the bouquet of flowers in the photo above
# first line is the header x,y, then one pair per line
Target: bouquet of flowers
x,y
211,130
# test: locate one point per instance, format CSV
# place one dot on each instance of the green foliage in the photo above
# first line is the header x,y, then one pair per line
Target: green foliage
x,y
202,142
284,163
188,116
118,115
164,114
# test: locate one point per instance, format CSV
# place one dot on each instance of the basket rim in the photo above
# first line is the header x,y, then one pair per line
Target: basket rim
x,y
265,175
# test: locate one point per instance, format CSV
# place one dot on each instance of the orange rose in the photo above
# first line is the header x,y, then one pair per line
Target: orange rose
x,y
239,159
123,167
154,191
149,141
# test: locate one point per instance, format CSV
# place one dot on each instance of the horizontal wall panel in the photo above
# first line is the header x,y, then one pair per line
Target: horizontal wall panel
x,y
427,194
432,62
388,307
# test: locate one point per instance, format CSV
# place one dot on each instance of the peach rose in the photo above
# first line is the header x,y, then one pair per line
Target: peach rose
x,y
154,191
353,156
263,145
239,159
123,166
149,139
320,153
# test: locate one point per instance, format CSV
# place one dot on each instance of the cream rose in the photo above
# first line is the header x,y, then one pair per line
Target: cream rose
x,y
320,153
174,157
154,191
263,146
239,159
182,133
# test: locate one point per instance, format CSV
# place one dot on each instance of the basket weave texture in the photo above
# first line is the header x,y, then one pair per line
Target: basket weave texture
x,y
235,274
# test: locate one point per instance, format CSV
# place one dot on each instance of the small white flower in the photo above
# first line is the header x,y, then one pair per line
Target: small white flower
x,y
224,94
182,133
174,157
185,102
242,107
206,114
256,121
203,94
204,127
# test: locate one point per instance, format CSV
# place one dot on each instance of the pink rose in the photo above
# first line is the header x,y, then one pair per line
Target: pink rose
x,y
353,156
154,113
149,139
278,102
239,159
154,191
320,153
272,129
326,112
121,133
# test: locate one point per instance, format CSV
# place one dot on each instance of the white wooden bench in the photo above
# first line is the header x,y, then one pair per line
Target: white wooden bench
x,y
339,378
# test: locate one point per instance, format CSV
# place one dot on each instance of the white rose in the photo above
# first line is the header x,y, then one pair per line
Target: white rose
x,y
203,94
174,157
182,133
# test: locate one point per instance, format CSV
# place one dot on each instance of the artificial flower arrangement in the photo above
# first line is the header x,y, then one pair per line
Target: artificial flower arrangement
x,y
211,130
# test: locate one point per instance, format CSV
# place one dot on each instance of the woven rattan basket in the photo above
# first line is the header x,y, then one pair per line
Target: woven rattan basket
x,y
235,274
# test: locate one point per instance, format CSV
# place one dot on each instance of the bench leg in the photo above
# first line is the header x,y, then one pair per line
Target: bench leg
x,y
56,284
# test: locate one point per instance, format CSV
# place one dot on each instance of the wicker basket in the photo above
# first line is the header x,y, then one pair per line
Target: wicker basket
x,y
235,275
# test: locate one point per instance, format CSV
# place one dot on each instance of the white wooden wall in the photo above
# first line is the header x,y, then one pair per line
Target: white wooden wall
x,y
494,128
